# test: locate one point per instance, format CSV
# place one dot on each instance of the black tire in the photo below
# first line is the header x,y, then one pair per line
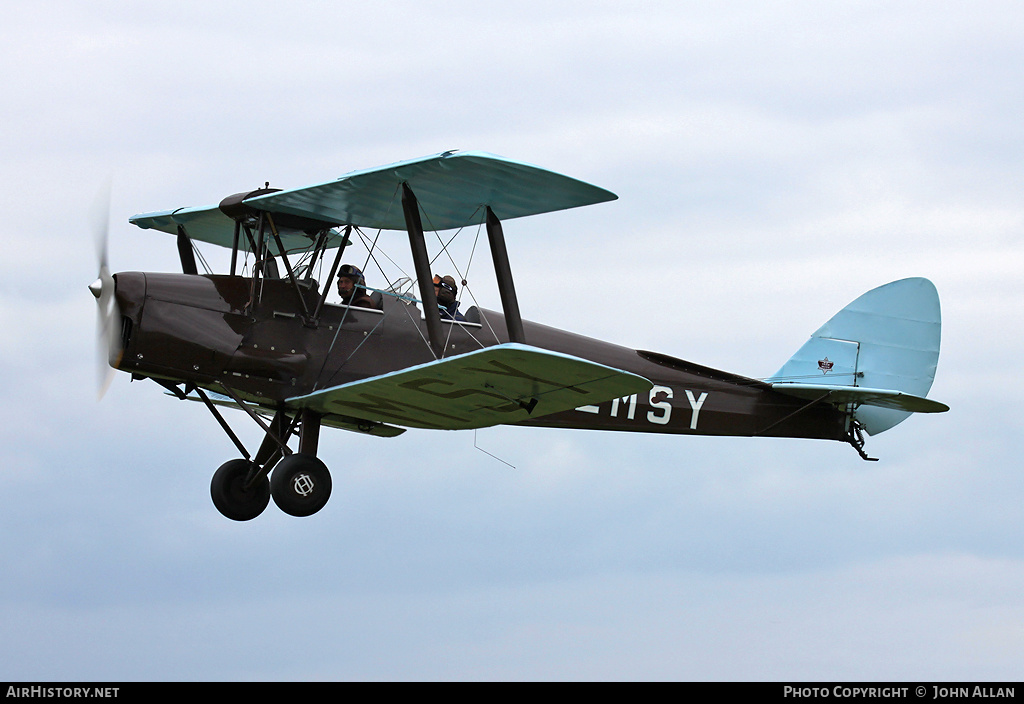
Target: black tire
x,y
300,485
231,498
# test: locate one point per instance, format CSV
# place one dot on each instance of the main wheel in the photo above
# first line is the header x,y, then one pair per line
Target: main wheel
x,y
227,489
300,485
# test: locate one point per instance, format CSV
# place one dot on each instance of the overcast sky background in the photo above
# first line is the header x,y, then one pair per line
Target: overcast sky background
x,y
772,160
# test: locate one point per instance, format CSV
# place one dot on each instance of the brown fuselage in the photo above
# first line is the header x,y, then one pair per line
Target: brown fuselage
x,y
216,332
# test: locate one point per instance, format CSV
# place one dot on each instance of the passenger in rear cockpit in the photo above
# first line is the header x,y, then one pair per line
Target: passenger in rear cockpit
x,y
352,287
445,290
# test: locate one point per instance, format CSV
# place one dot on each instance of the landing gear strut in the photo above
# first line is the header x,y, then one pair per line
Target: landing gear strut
x,y
300,483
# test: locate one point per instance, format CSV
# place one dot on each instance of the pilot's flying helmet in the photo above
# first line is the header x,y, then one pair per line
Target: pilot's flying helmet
x,y
351,272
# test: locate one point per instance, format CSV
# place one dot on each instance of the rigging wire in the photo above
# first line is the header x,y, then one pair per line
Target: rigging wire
x,y
202,259
463,276
488,453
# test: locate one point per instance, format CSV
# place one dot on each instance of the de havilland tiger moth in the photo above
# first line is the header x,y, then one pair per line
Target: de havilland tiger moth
x,y
264,338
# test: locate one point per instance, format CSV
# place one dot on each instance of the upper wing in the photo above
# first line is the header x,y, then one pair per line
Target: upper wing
x,y
452,188
502,384
206,224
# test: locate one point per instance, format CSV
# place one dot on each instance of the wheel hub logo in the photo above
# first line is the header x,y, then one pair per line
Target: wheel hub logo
x,y
303,484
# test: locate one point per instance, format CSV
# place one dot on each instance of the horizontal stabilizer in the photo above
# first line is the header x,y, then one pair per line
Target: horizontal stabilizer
x,y
858,395
502,384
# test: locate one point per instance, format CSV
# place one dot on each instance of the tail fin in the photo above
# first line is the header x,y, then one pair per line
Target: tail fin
x,y
877,355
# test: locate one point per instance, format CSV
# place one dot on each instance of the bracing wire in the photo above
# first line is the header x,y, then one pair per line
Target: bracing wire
x,y
488,453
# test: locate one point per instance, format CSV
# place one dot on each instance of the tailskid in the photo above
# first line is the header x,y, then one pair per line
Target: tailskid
x,y
855,436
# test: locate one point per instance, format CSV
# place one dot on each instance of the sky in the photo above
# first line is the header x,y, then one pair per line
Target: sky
x,y
773,161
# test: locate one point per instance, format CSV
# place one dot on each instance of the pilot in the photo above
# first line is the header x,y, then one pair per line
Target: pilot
x,y
352,287
445,291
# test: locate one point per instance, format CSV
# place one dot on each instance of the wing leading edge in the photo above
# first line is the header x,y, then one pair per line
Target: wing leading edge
x,y
503,384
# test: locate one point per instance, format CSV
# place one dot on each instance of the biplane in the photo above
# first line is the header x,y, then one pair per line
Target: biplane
x,y
265,338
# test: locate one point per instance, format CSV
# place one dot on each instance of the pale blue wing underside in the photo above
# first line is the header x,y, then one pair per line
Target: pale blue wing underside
x,y
453,190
